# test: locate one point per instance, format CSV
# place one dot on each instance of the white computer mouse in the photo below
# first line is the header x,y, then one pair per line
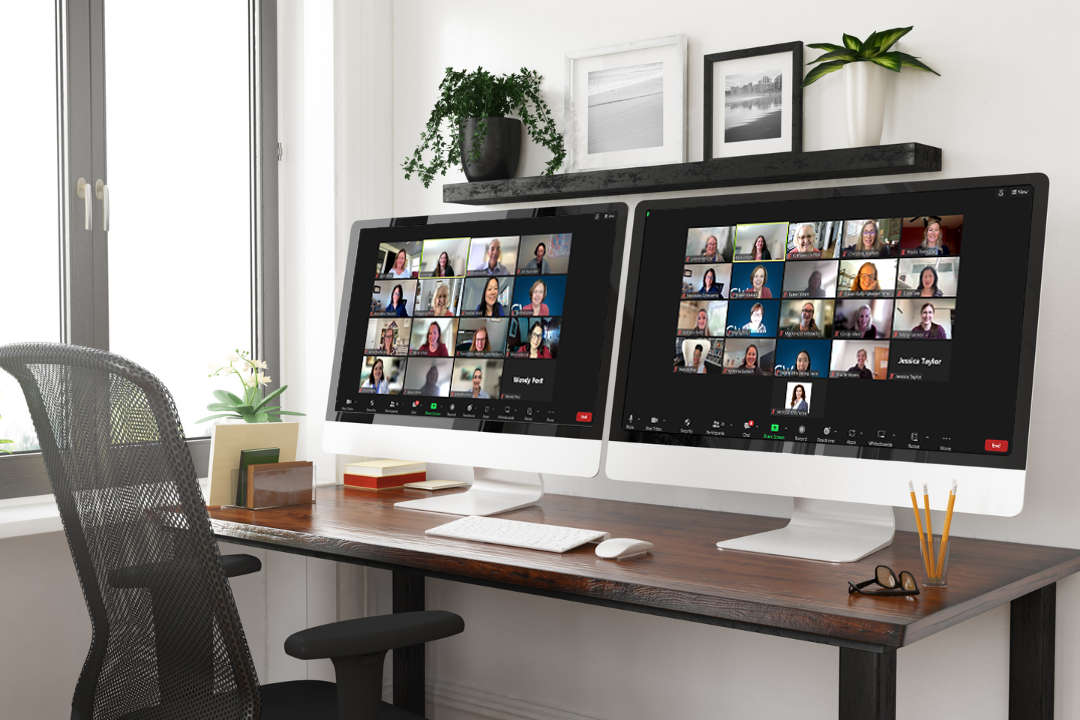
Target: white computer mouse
x,y
622,548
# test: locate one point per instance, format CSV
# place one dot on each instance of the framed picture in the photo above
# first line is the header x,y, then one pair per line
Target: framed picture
x,y
626,105
753,101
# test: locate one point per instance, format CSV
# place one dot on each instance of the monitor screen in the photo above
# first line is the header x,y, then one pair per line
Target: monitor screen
x,y
483,323
891,323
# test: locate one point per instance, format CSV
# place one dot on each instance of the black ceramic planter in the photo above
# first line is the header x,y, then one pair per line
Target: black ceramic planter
x,y
500,153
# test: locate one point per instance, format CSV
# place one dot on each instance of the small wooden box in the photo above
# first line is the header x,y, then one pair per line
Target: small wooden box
x,y
276,484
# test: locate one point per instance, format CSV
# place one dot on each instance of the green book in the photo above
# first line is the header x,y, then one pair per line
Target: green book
x,y
258,456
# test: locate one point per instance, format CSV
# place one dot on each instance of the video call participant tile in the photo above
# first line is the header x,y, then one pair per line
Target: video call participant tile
x,y
439,297
796,398
863,318
802,358
703,282
752,318
921,319
810,279
928,277
764,241
534,338
859,360
482,337
758,281
932,236
920,361
445,257
388,336
428,376
382,375
538,296
528,380
399,260
814,240
871,238
701,318
493,256
433,337
749,356
480,379
866,278
710,244
806,318
699,356
544,254
392,298
487,297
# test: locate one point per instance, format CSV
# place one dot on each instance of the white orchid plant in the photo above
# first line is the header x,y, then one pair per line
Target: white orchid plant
x,y
253,407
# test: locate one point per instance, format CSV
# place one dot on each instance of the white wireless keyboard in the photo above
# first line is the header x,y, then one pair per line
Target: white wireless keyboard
x,y
515,533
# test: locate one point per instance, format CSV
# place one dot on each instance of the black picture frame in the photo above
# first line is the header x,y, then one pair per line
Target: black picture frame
x,y
795,73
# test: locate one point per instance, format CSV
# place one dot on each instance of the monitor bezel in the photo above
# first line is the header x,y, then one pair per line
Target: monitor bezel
x,y
630,468
339,437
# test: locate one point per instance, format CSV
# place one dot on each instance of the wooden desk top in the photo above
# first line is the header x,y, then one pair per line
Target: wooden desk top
x,y
685,576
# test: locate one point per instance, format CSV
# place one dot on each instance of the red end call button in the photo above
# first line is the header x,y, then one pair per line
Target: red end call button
x,y
584,417
997,446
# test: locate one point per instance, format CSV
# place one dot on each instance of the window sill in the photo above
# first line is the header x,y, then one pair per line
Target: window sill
x,y
39,514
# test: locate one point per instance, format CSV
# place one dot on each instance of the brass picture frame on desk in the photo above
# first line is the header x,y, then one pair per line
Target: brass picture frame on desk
x,y
271,485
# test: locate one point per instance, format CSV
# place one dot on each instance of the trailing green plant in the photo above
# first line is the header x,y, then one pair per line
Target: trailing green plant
x,y
253,407
875,49
480,94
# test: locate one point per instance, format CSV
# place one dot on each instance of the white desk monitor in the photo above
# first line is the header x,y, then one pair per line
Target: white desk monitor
x,y
798,414
540,410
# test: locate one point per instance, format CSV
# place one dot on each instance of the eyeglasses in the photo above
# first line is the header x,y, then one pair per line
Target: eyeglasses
x,y
869,232
886,578
868,276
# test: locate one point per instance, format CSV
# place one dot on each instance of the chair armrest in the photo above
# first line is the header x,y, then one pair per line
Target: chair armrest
x,y
151,574
365,636
240,564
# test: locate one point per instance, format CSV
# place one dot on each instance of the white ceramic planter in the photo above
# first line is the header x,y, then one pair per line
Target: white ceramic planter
x,y
864,95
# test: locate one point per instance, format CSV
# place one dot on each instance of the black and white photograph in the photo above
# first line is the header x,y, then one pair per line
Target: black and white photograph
x,y
626,104
626,108
753,101
752,104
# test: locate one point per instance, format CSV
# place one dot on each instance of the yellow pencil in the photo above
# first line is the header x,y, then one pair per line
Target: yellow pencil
x,y
929,532
948,522
918,523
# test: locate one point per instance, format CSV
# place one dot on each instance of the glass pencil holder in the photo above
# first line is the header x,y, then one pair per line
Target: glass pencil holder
x,y
937,574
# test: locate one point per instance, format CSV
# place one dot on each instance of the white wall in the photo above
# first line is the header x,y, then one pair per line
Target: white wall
x,y
989,116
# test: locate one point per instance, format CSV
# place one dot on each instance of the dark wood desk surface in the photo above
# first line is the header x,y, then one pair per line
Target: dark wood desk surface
x,y
685,576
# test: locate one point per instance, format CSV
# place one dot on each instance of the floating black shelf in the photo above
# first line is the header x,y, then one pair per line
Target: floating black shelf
x,y
897,159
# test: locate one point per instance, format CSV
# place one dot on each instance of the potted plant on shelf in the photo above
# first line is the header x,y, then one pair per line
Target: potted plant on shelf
x,y
865,63
469,125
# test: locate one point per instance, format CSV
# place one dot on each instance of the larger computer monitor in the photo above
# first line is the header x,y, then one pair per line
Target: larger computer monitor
x,y
833,345
479,339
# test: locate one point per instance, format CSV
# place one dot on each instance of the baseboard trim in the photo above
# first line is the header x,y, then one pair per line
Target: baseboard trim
x,y
453,702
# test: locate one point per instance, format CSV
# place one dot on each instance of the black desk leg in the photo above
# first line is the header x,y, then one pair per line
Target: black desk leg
x,y
1031,655
867,684
409,661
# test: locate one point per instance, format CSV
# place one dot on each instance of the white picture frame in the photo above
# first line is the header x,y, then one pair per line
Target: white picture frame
x,y
643,131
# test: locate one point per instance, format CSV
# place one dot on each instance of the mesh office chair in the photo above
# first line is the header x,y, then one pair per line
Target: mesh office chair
x,y
167,641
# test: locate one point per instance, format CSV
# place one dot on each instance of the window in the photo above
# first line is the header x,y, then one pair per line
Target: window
x,y
186,150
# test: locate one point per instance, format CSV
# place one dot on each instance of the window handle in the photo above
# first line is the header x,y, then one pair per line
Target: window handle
x,y
102,192
81,187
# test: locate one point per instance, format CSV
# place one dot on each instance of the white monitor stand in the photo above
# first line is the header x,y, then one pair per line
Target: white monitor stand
x,y
826,530
492,492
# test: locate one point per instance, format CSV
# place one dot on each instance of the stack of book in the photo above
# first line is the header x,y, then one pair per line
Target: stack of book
x,y
383,474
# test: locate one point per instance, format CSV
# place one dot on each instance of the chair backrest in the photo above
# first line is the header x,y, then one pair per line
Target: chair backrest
x,y
167,640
